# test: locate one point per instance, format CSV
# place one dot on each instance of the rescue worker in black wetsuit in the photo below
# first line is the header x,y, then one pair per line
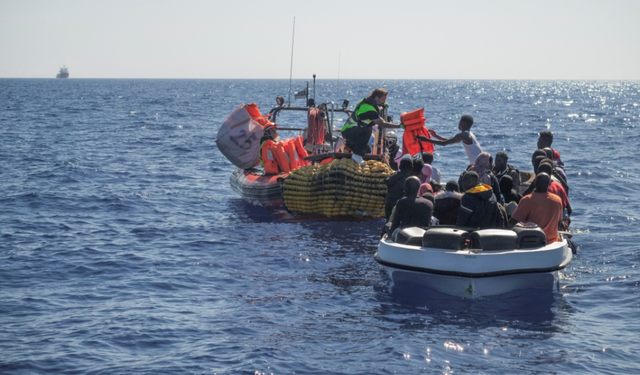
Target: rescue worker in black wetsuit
x,y
358,128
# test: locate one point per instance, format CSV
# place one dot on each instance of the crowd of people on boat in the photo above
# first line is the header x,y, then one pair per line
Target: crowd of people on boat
x,y
488,194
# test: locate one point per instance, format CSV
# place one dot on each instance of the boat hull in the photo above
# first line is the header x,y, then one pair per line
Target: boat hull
x,y
474,263
266,190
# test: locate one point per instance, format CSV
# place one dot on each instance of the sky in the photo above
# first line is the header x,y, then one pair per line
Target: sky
x,y
392,39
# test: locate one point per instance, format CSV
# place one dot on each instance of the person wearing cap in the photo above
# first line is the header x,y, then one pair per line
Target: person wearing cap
x,y
395,154
358,128
268,139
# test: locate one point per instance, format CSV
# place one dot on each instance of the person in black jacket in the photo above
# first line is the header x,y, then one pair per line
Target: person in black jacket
x,y
395,185
412,210
479,207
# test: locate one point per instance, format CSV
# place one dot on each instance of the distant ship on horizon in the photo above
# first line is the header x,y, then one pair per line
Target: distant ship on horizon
x,y
64,72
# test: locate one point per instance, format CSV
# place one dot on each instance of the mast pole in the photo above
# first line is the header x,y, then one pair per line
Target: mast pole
x,y
293,38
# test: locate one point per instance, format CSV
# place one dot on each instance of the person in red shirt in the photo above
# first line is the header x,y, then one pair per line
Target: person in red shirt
x,y
541,207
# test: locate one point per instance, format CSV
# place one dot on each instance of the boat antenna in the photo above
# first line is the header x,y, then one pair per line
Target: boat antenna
x,y
338,89
293,38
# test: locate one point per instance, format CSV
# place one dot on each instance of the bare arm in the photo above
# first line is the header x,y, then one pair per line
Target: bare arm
x,y
443,141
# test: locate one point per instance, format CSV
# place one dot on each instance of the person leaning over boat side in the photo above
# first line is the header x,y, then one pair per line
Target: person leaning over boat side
x,y
502,168
395,185
541,207
469,141
412,210
357,130
479,207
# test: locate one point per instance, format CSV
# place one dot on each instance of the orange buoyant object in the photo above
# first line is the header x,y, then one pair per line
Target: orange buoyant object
x,y
253,110
412,123
269,162
290,147
302,153
408,116
282,158
411,144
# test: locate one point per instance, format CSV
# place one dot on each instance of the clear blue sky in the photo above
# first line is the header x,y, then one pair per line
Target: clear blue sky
x,y
421,39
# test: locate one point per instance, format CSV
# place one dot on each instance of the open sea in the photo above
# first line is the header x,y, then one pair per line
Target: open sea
x,y
123,249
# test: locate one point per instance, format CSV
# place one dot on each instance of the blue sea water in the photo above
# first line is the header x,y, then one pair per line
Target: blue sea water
x,y
124,250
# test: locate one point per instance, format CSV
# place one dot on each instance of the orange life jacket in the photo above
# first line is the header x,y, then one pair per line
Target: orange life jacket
x,y
282,158
294,159
414,125
268,157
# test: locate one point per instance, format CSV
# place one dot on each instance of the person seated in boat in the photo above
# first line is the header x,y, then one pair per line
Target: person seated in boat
x,y
395,185
541,207
501,168
469,141
427,158
509,194
479,207
483,166
358,128
558,171
418,164
268,139
545,139
425,174
412,210
555,187
539,157
426,192
447,204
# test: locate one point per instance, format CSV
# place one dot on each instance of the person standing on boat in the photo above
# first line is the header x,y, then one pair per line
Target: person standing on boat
x,y
358,128
469,141
541,207
479,207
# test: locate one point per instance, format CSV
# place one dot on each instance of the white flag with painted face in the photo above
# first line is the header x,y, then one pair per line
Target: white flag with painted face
x,y
239,139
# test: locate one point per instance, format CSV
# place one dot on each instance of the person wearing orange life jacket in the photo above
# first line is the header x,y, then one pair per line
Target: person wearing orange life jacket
x,y
358,128
267,141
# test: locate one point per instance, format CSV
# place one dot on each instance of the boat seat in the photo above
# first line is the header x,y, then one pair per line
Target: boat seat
x,y
410,236
494,239
445,238
530,237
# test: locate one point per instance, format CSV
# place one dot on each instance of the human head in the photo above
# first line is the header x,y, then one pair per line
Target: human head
x,y
484,160
466,122
427,157
379,95
417,166
390,139
271,130
469,180
411,186
545,166
536,163
545,139
452,186
426,172
542,182
406,164
501,161
506,184
425,188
